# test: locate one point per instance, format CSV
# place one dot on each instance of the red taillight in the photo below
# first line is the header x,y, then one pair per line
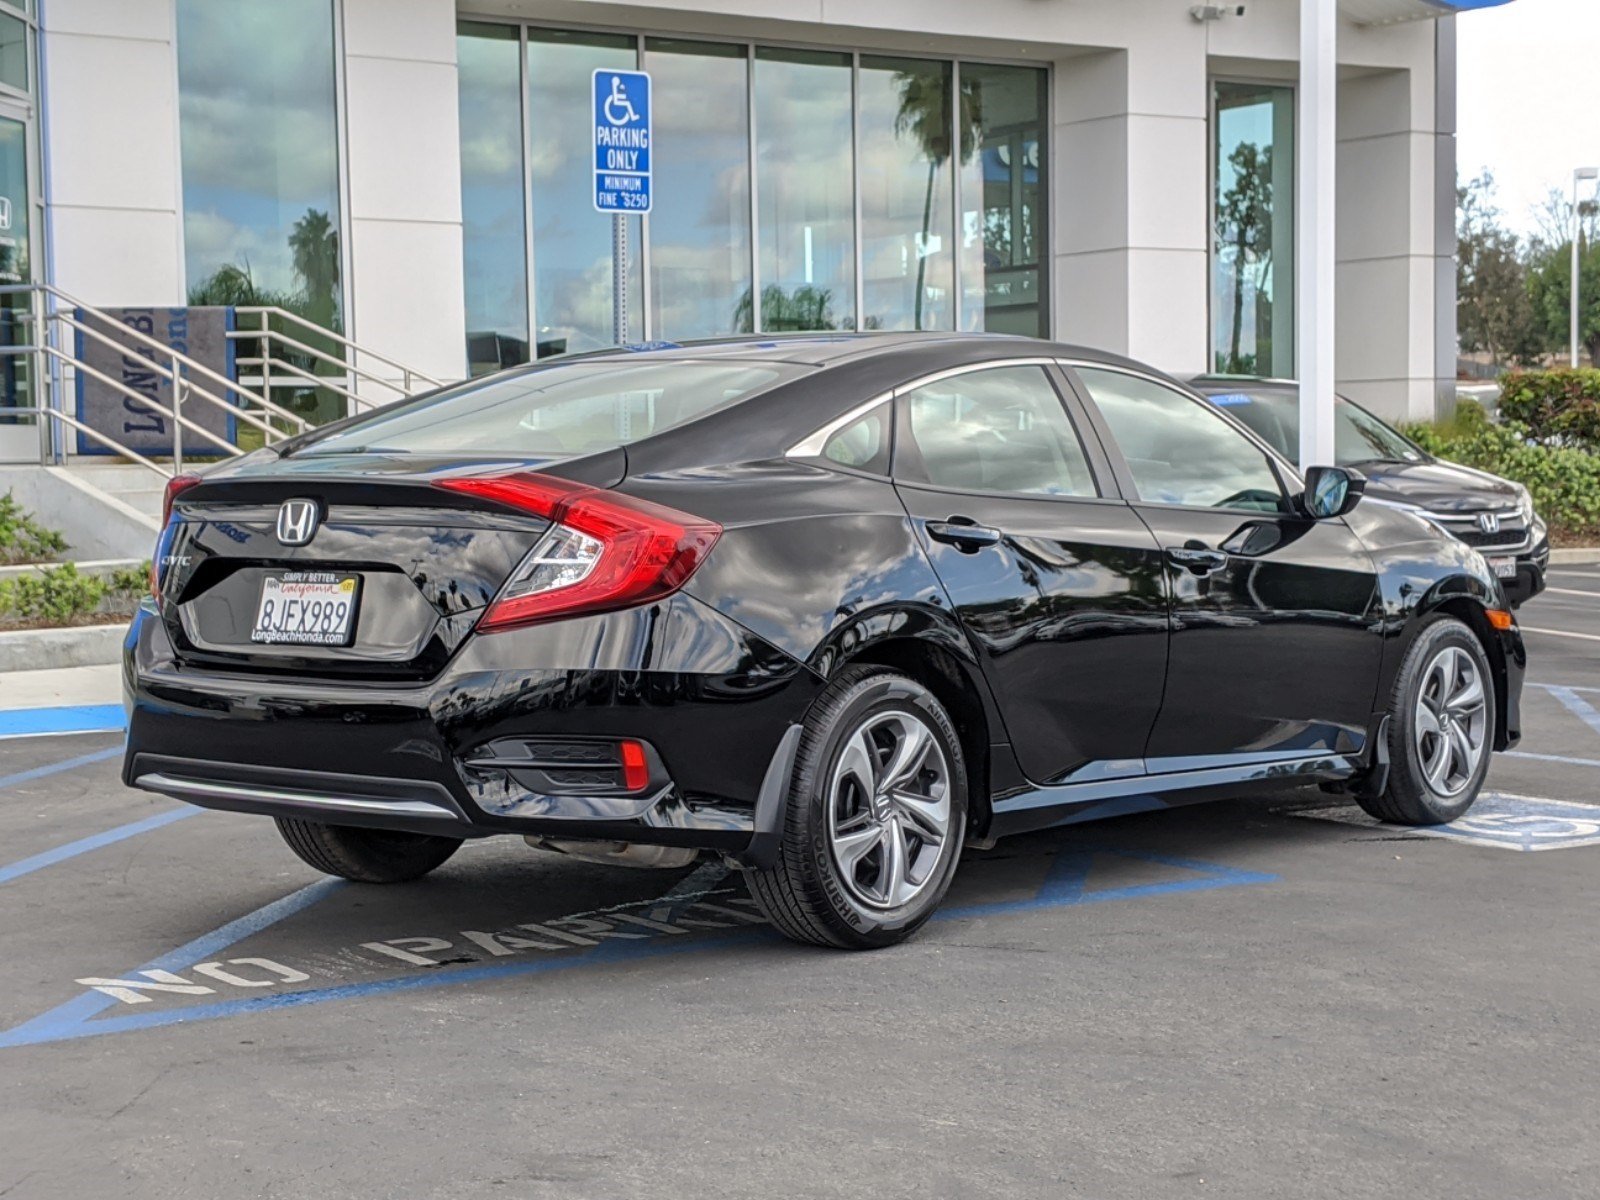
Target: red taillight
x,y
176,486
603,551
635,770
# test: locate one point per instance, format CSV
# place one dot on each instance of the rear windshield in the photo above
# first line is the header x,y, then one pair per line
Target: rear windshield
x,y
555,411
1358,436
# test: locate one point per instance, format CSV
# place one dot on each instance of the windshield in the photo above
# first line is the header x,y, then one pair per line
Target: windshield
x,y
555,411
1358,436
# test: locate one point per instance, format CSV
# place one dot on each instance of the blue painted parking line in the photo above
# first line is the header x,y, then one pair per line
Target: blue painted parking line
x,y
68,718
1577,706
68,1020
66,764
1065,885
83,845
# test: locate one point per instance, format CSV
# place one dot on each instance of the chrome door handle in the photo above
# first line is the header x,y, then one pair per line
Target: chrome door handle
x,y
965,536
1199,560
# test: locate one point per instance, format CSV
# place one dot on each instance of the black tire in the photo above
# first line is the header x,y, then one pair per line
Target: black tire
x,y
807,895
366,855
1409,797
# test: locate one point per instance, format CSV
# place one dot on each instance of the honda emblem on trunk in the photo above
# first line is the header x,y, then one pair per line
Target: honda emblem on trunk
x,y
297,522
1489,522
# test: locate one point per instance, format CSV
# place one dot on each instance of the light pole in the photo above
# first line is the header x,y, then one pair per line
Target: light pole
x,y
1578,177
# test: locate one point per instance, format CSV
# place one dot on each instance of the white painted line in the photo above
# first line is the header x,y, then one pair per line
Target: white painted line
x,y
1571,592
1588,637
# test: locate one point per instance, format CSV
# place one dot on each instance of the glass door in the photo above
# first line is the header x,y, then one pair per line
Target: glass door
x,y
18,436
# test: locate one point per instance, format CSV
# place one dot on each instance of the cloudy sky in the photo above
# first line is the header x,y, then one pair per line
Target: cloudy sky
x,y
1530,98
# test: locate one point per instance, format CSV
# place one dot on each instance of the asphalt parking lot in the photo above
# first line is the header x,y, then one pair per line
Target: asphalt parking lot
x,y
1226,1000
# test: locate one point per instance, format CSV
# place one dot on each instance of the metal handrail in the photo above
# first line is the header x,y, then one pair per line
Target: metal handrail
x,y
103,439
314,380
191,389
266,311
49,289
134,394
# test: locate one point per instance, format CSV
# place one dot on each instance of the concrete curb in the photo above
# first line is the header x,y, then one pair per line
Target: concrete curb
x,y
1575,556
39,649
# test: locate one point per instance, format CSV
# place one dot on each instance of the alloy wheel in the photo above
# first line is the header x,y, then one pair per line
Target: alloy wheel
x,y
889,809
1452,721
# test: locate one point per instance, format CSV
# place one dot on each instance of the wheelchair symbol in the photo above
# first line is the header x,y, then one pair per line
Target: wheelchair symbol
x,y
618,108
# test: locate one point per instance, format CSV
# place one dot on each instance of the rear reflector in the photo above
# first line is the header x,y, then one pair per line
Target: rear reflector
x,y
635,770
603,551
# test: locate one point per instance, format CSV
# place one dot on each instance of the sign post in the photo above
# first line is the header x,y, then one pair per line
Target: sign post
x,y
622,137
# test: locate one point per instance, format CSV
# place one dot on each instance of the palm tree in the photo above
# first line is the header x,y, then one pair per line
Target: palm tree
x,y
924,113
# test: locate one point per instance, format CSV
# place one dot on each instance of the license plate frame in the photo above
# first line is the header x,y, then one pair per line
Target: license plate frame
x,y
1503,568
314,627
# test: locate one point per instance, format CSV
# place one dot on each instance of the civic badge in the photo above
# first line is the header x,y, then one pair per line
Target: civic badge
x,y
1489,522
297,522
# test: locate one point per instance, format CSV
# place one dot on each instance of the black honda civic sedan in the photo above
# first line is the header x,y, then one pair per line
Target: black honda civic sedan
x,y
830,607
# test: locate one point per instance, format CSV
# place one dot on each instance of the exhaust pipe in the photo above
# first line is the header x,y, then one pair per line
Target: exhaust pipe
x,y
616,854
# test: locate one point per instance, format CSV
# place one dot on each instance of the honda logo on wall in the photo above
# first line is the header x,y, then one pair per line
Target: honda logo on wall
x,y
1489,522
297,522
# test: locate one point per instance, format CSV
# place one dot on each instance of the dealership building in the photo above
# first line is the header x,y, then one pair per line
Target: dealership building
x,y
417,176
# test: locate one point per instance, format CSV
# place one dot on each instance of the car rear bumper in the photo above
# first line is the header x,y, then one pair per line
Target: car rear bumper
x,y
712,704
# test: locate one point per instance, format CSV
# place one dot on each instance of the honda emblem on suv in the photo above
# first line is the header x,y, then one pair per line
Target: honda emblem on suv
x,y
297,522
1489,522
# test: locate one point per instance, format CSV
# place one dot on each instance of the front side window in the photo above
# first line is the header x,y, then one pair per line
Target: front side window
x,y
554,411
1252,235
997,430
1178,450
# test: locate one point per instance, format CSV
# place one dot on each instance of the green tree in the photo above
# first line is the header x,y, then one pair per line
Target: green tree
x,y
1495,310
314,244
1550,274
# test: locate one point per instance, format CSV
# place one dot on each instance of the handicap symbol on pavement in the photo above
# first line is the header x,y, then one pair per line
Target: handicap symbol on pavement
x,y
1499,819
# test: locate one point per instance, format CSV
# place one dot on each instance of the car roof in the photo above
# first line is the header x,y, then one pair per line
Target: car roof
x,y
832,349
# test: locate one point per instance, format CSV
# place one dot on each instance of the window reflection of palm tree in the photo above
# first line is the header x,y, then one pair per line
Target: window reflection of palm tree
x,y
1244,225
925,115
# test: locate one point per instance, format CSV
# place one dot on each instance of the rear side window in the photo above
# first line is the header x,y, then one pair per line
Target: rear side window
x,y
1179,450
864,443
555,411
1002,429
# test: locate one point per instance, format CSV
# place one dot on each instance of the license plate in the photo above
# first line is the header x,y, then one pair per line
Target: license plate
x,y
307,608
1503,568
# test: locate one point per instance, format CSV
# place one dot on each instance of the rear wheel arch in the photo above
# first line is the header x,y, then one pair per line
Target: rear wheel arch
x,y
959,687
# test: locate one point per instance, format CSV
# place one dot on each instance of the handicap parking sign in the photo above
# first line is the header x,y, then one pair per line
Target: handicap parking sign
x,y
622,137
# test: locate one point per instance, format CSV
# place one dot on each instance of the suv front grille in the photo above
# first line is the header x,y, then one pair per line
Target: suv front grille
x,y
1512,532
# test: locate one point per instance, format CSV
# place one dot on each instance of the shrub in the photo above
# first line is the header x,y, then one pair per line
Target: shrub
x,y
65,596
1559,406
22,539
1564,480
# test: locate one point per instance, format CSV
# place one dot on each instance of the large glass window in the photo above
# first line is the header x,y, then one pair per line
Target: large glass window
x,y
1178,450
1003,210
805,189
13,52
998,430
907,193
700,225
259,130
261,221
572,259
15,391
493,201
1252,251
795,190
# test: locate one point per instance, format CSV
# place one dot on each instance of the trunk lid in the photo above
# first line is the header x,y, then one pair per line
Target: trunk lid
x,y
425,562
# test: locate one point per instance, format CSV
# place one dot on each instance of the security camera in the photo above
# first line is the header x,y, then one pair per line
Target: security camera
x,y
1215,12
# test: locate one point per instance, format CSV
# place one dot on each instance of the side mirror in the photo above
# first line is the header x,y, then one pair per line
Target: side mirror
x,y
1331,492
